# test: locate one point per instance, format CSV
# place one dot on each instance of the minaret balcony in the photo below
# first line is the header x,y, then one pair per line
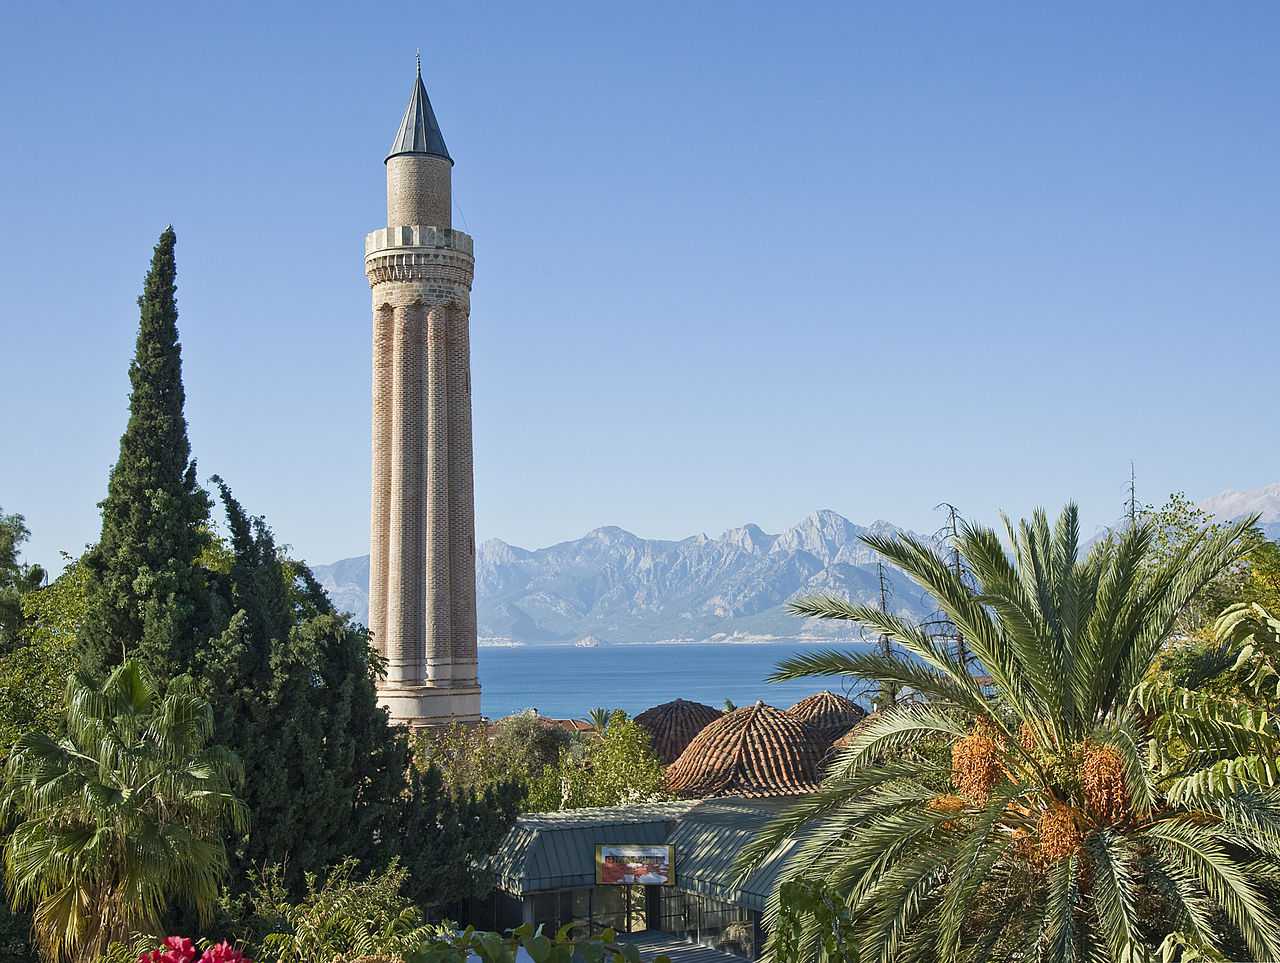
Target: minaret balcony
x,y
419,253
417,235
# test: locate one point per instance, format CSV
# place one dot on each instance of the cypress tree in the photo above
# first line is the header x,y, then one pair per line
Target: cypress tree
x,y
146,591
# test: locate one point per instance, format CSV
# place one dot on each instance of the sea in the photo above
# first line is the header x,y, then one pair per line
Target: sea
x,y
567,681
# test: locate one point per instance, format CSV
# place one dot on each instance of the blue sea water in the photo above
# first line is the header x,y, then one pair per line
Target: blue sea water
x,y
565,681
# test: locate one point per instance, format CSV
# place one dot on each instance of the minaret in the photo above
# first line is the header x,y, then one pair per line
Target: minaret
x,y
422,573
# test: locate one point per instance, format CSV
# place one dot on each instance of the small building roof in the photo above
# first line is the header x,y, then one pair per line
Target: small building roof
x,y
753,751
419,131
550,851
708,839
673,725
545,851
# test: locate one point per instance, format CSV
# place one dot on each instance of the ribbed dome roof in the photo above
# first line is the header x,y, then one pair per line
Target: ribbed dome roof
x,y
843,741
673,725
754,751
829,715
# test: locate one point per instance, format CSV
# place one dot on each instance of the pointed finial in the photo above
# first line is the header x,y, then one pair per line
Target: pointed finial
x,y
419,61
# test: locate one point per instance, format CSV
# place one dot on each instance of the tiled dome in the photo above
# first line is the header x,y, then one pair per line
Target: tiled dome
x,y
843,741
829,715
673,725
754,751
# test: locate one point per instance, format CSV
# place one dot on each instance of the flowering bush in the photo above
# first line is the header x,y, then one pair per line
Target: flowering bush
x,y
180,949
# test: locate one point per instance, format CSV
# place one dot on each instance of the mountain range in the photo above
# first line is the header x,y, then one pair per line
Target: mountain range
x,y
615,586
618,587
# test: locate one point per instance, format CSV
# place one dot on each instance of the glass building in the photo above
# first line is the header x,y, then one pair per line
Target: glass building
x,y
546,873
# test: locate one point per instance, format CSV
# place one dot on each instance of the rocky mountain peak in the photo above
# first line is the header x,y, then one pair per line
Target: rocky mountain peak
x,y
823,534
750,538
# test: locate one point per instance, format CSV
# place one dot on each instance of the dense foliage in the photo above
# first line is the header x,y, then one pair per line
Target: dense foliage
x,y
121,816
33,673
1218,729
313,937
524,748
343,916
613,768
293,693
612,764
1041,818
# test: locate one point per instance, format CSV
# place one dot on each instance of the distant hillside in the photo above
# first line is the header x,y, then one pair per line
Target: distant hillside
x,y
1230,505
619,587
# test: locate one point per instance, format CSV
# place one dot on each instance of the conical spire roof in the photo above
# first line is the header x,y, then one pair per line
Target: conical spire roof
x,y
754,751
673,725
419,131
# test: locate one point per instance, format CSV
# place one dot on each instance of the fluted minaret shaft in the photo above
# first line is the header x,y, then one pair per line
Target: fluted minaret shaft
x,y
380,508
440,454
422,600
462,525
406,564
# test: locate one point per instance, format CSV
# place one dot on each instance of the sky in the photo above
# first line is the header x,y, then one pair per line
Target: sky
x,y
734,262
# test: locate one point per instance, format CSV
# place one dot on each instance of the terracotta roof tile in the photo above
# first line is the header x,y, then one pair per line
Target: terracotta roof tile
x,y
673,725
754,751
830,716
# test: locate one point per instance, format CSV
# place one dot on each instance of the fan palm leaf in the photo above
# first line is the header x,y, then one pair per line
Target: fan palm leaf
x,y
119,817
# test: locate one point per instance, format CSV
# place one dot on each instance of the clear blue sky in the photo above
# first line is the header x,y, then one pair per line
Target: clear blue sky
x,y
734,262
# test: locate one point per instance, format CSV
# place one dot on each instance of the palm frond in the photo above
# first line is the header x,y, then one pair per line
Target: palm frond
x,y
1197,852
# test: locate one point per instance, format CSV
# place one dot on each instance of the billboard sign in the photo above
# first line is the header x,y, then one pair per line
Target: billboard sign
x,y
648,864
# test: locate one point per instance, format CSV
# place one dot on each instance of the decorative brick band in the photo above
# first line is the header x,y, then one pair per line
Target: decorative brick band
x,y
449,273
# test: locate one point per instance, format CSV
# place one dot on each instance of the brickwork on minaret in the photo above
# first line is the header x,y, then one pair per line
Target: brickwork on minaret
x,y
462,526
422,605
380,488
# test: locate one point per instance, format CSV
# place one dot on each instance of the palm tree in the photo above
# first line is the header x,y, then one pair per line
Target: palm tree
x,y
599,718
1035,820
119,817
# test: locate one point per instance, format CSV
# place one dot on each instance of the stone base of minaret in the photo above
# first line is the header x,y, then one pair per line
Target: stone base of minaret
x,y
419,706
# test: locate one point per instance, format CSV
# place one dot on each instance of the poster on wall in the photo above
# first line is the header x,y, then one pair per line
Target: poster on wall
x,y
649,864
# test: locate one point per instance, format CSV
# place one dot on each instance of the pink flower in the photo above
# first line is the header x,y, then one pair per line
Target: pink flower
x,y
224,952
173,949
